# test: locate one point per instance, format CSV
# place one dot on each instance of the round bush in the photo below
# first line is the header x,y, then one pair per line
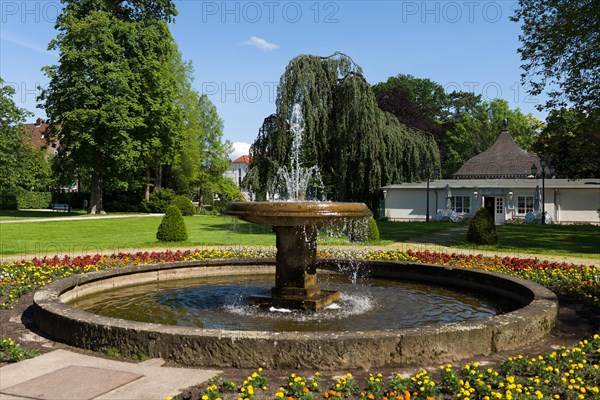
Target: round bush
x,y
184,204
363,230
482,229
172,228
373,230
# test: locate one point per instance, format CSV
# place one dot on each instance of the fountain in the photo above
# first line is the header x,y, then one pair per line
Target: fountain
x,y
296,223
377,337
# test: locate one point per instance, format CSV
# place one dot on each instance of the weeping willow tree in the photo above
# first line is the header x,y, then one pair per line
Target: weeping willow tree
x,y
357,147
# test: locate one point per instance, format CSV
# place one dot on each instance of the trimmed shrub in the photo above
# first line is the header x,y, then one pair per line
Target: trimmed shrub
x,y
172,228
184,204
363,230
30,200
373,230
159,201
482,229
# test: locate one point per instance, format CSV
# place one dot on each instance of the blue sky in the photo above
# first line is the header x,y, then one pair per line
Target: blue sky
x,y
240,49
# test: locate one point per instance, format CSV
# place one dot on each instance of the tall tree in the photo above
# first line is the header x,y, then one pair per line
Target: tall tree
x,y
560,42
97,99
571,142
357,147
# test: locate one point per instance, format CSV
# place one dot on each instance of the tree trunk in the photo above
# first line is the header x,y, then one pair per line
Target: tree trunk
x,y
158,177
147,185
96,205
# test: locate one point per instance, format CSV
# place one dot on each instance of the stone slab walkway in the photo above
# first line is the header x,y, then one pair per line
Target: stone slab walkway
x,y
62,374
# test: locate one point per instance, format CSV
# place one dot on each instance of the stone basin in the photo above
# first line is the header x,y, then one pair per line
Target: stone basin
x,y
297,213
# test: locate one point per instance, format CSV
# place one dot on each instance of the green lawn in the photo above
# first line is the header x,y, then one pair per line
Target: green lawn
x,y
576,240
411,231
64,237
136,232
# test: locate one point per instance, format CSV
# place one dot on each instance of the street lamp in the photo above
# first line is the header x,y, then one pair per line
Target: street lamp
x,y
534,173
427,173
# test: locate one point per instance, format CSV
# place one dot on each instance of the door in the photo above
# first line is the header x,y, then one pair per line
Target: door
x,y
489,204
495,206
499,216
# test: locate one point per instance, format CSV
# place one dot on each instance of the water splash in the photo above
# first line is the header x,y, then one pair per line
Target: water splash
x,y
298,183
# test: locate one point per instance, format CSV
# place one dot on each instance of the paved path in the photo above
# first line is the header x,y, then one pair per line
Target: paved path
x,y
62,374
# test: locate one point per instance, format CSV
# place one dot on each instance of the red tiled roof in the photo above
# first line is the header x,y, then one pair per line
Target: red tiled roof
x,y
37,129
243,159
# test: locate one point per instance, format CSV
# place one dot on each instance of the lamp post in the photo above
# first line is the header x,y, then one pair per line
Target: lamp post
x,y
534,173
427,173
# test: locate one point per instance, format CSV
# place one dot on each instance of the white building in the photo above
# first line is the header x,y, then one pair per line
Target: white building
x,y
499,179
565,201
237,171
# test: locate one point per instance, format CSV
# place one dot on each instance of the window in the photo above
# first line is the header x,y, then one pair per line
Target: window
x,y
524,204
461,204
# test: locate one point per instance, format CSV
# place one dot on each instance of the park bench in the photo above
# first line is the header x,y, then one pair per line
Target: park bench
x,y
60,207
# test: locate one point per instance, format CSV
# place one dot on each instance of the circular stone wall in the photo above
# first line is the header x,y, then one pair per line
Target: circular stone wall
x,y
534,318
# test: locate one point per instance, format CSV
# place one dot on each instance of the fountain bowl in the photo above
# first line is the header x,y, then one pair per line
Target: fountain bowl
x,y
297,213
533,318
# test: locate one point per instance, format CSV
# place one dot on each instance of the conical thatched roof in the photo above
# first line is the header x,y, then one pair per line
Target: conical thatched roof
x,y
503,160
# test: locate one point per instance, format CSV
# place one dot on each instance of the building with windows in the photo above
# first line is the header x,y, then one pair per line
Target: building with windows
x,y
237,172
501,180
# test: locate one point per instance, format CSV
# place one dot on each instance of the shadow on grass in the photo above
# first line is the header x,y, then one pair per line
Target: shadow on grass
x,y
31,214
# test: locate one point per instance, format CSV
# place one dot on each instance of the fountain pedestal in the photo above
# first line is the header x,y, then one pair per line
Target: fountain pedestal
x,y
296,225
296,285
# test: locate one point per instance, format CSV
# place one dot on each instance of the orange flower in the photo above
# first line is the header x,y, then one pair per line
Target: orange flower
x,y
305,390
326,395
370,396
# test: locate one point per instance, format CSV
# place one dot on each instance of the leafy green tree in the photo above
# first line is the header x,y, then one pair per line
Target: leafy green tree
x,y
11,138
571,142
97,99
21,164
560,41
357,147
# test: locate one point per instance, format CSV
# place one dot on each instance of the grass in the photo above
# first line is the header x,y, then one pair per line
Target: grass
x,y
571,240
32,214
411,231
136,232
114,235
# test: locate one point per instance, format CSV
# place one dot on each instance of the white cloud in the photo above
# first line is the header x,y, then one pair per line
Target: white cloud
x,y
240,149
6,36
260,43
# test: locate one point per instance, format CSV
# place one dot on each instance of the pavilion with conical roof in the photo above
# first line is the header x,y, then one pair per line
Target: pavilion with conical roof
x,y
501,180
503,160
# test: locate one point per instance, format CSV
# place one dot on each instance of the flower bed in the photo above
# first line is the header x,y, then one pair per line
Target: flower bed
x,y
563,374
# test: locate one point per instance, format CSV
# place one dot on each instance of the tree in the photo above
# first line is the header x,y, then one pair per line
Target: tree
x,y
571,142
21,163
11,138
395,96
560,41
357,147
98,99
